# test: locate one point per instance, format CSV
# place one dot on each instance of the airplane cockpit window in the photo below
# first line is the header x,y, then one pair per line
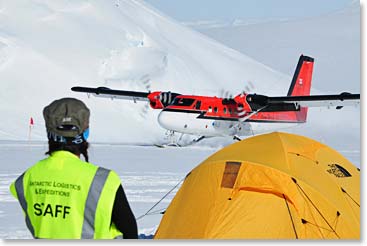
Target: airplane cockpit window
x,y
183,101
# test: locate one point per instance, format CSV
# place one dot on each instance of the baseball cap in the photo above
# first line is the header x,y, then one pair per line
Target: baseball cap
x,y
67,117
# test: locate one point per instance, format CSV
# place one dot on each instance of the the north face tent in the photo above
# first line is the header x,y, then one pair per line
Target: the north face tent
x,y
272,186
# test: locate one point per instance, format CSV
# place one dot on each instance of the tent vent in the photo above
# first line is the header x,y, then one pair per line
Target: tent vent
x,y
338,171
230,174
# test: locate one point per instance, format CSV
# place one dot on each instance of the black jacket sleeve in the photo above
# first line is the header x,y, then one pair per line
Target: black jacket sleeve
x,y
123,217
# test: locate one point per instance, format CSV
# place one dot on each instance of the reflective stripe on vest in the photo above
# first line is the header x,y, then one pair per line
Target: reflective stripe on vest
x,y
23,203
90,209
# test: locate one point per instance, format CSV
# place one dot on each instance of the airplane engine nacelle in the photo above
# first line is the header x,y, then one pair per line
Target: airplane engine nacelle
x,y
242,104
159,99
155,103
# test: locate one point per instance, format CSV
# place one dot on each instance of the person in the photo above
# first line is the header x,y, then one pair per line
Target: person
x,y
64,197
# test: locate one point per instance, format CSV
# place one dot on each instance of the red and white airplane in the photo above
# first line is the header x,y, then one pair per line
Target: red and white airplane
x,y
243,115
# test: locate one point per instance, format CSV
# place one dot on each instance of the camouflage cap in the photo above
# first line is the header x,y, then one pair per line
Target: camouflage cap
x,y
67,117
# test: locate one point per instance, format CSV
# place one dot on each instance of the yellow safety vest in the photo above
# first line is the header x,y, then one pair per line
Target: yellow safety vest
x,y
64,197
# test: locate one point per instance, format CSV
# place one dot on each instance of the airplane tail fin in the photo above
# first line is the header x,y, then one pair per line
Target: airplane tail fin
x,y
301,83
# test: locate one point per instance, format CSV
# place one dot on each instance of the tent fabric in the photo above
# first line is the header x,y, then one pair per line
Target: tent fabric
x,y
271,186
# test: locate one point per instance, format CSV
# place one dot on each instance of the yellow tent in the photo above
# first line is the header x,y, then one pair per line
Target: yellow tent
x,y
272,186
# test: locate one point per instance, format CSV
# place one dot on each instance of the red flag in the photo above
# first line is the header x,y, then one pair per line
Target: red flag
x,y
31,122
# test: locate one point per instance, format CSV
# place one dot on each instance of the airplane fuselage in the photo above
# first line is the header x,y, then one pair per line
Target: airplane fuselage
x,y
213,116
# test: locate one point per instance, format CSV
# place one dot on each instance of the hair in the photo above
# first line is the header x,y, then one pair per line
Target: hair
x,y
76,149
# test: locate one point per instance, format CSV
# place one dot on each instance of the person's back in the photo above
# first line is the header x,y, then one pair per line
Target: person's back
x,y
65,197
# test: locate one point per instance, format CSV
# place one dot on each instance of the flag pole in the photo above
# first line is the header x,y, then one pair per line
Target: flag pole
x,y
31,123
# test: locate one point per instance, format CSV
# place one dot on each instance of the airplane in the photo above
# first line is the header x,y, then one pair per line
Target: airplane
x,y
242,115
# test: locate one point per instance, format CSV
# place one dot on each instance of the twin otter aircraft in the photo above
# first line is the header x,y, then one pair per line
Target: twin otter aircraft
x,y
243,115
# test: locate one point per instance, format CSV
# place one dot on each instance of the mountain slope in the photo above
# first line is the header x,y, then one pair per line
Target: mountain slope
x,y
49,46
332,39
46,47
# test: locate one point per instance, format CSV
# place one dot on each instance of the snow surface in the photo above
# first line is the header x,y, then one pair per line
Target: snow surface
x,y
147,174
46,47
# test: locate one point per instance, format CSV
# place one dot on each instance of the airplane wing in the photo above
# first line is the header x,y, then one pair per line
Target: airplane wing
x,y
157,99
113,94
292,103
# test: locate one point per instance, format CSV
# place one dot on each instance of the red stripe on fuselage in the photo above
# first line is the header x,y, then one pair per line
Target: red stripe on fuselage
x,y
213,108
